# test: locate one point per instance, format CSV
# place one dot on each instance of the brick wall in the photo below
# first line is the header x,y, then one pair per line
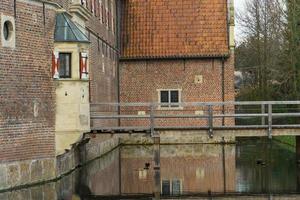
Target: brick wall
x,y
103,63
140,80
25,79
103,56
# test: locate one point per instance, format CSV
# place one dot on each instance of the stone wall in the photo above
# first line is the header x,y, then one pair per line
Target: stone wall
x,y
24,172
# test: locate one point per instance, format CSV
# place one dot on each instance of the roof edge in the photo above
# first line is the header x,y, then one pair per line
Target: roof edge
x,y
174,57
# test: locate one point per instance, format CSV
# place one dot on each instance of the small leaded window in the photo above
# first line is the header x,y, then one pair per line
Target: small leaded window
x,y
166,188
65,65
169,98
176,187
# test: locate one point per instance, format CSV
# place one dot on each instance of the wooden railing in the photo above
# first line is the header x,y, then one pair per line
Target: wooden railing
x,y
197,115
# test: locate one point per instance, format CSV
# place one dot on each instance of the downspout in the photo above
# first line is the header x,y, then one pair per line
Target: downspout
x,y
119,8
118,89
223,89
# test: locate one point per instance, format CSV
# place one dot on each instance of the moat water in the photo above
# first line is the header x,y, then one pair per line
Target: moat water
x,y
250,169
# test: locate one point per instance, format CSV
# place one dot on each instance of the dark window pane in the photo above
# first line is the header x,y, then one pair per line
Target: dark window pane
x,y
176,187
65,65
165,187
164,97
174,98
6,30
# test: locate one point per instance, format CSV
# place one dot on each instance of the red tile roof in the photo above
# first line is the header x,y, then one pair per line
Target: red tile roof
x,y
174,28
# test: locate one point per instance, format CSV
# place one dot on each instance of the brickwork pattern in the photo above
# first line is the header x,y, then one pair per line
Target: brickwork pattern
x,y
140,80
102,53
27,92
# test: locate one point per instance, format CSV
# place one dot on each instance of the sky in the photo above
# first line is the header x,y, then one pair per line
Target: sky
x,y
239,5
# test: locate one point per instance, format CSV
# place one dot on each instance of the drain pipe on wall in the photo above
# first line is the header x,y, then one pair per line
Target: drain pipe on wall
x,y
223,89
119,14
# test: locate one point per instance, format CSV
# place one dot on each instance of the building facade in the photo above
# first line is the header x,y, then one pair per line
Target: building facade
x,y
56,58
175,52
59,60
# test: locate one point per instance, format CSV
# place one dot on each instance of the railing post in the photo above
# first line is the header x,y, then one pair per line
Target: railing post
x,y
270,120
152,120
263,111
210,121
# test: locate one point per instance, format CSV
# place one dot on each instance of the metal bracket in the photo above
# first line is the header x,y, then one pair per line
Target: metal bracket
x,y
210,121
152,120
270,121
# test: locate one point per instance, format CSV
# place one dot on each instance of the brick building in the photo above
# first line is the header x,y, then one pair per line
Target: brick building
x,y
176,51
56,57
59,57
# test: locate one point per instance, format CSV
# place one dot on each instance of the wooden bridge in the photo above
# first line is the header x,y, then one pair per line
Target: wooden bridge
x,y
259,118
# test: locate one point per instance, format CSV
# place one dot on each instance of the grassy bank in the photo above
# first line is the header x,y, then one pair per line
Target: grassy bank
x,y
289,140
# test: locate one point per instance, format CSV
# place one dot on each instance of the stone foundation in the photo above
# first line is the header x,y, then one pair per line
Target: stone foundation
x,y
26,172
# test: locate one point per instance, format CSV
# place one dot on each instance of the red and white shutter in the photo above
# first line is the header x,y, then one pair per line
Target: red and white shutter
x,y
55,65
83,66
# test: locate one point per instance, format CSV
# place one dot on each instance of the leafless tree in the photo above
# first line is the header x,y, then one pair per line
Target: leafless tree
x,y
263,25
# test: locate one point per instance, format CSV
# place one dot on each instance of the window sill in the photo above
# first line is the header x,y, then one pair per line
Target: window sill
x,y
170,108
71,79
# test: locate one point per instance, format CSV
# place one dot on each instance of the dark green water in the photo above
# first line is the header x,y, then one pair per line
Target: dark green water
x,y
251,169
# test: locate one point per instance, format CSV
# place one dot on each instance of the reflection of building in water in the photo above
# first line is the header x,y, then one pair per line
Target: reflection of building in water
x,y
102,175
184,169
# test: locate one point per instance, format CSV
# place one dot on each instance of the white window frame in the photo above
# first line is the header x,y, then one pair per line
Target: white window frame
x,y
179,107
171,186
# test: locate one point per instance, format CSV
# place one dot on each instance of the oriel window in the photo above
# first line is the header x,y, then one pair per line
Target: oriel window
x,y
65,65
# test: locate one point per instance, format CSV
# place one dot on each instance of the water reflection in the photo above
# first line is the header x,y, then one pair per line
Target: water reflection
x,y
205,171
184,169
265,167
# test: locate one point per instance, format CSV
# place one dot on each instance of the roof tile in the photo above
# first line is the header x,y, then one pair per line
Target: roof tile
x,y
174,28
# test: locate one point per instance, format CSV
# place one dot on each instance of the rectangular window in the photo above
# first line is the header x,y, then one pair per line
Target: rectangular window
x,y
171,187
176,187
65,65
166,187
169,98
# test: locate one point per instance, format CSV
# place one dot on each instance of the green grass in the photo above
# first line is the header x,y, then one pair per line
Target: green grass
x,y
290,140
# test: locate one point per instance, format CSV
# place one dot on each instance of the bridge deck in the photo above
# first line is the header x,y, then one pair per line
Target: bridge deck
x,y
239,118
